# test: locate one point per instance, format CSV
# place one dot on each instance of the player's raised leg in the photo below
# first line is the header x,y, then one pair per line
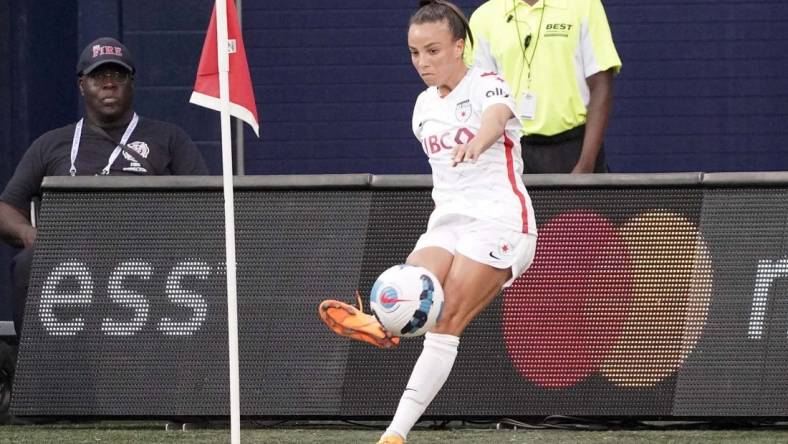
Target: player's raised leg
x,y
436,259
346,320
468,288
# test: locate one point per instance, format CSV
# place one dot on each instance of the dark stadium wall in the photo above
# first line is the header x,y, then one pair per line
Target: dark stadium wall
x,y
702,87
44,53
7,161
37,86
5,90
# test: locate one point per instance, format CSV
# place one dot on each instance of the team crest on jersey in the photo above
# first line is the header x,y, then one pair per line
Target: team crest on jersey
x,y
140,148
463,111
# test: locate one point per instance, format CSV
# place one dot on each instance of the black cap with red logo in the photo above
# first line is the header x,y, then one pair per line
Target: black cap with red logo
x,y
104,50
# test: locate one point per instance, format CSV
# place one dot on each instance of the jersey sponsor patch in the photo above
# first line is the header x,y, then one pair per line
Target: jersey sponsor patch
x,y
463,111
447,140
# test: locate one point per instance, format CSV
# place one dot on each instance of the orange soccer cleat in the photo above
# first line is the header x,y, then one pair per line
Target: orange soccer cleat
x,y
391,439
347,320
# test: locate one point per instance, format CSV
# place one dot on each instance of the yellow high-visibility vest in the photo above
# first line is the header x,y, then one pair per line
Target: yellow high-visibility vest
x,y
563,41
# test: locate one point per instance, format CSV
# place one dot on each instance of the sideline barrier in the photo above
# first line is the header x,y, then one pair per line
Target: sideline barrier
x,y
650,295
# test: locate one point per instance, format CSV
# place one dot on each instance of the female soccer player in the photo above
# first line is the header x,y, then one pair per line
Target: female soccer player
x,y
482,234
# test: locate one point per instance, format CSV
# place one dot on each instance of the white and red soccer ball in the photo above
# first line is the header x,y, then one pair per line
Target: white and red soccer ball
x,y
407,300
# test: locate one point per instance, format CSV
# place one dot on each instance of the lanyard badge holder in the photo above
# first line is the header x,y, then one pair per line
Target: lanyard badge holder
x,y
526,103
115,153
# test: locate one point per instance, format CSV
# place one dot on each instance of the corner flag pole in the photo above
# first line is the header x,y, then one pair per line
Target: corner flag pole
x,y
224,84
229,219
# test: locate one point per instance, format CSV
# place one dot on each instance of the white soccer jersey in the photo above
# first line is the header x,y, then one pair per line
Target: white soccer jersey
x,y
492,188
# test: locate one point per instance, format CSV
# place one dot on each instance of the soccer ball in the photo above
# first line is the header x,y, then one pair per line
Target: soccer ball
x,y
407,300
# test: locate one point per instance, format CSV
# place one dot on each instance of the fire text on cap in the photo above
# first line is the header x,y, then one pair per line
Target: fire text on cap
x,y
107,50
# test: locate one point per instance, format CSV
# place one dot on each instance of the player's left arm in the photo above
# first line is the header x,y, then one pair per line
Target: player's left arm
x,y
600,86
494,119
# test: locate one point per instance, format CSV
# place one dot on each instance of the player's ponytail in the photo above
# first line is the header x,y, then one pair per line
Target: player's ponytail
x,y
431,11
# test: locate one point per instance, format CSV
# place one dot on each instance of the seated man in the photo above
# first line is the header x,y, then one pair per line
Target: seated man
x,y
111,139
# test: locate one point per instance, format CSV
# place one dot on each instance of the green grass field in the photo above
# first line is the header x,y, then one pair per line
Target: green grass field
x,y
155,432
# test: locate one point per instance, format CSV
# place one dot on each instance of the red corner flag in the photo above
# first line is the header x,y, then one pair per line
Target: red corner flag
x,y
206,87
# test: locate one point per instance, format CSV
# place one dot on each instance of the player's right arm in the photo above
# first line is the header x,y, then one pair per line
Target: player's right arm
x,y
494,98
15,228
494,120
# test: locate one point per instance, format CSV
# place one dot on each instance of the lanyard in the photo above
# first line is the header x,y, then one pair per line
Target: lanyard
x,y
115,153
526,43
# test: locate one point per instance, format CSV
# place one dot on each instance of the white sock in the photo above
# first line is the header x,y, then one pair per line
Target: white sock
x,y
430,372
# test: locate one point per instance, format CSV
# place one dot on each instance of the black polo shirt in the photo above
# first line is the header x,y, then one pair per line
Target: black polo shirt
x,y
161,149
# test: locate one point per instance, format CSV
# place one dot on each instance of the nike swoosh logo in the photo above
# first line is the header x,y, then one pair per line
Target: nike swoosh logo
x,y
387,300
494,256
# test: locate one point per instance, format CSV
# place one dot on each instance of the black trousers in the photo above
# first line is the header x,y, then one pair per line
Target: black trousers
x,y
20,279
557,154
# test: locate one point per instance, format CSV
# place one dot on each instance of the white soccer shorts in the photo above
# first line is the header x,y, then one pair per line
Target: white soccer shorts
x,y
482,241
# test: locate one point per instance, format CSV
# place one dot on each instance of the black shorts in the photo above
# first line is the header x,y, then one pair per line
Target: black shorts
x,y
558,153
